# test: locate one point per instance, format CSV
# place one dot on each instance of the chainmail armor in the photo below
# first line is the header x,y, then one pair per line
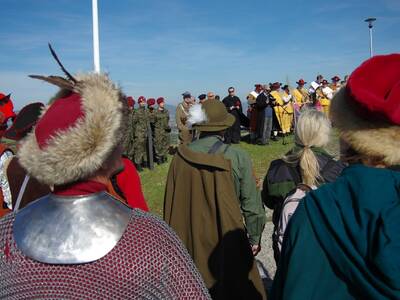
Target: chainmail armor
x,y
149,262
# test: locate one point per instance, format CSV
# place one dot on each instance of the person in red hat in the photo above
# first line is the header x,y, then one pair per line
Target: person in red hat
x,y
129,141
131,102
161,132
346,234
7,111
300,94
140,135
18,188
5,154
80,241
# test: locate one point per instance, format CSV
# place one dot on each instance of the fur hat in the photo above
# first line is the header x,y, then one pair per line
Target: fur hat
x,y
77,132
367,110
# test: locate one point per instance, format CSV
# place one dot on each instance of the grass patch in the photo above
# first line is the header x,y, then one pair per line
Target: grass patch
x,y
153,182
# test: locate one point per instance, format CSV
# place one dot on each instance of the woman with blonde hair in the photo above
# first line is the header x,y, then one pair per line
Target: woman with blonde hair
x,y
307,163
344,237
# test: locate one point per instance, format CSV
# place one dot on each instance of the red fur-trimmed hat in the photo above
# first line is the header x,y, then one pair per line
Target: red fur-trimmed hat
x,y
367,110
151,102
141,99
77,132
160,100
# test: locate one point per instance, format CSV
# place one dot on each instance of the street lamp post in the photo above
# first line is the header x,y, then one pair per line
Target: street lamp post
x,y
370,25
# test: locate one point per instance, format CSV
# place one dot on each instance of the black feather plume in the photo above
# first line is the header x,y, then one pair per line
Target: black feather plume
x,y
69,76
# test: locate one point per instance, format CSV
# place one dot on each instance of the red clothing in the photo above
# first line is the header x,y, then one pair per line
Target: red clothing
x,y
129,183
80,188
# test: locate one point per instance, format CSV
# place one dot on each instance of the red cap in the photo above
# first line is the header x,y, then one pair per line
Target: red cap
x,y
375,86
335,78
141,99
301,82
131,102
160,100
151,101
63,114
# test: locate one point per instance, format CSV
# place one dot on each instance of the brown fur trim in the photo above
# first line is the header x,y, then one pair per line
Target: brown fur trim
x,y
374,138
79,151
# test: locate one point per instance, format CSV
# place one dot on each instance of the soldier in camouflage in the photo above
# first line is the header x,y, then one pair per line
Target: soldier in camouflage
x,y
151,113
161,132
140,119
129,141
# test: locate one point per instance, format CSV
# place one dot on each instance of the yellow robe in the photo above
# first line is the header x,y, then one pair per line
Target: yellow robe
x,y
283,117
300,96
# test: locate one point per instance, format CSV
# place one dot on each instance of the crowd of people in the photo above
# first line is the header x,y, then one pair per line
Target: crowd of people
x,y
75,223
272,111
148,137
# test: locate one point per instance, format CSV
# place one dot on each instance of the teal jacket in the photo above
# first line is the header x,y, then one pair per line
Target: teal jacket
x,y
343,242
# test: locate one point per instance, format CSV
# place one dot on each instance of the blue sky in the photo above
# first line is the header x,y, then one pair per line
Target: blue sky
x,y
164,47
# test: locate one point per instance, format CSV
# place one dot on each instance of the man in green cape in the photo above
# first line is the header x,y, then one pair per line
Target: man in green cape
x,y
210,191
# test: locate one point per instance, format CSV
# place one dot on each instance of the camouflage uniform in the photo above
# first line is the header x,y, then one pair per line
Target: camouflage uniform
x,y
161,134
141,120
129,142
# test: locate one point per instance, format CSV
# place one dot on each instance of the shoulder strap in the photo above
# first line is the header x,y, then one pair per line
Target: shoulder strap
x,y
21,193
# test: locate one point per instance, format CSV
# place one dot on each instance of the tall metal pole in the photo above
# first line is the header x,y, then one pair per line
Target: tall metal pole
x,y
96,47
371,52
370,25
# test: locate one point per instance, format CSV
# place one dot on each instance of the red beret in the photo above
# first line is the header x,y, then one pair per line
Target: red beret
x,y
151,101
131,102
375,86
141,99
160,100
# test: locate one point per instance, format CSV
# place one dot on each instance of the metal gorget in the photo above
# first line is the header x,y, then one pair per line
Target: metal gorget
x,y
70,230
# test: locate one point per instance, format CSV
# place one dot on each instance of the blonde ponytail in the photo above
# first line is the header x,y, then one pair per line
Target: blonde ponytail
x,y
313,130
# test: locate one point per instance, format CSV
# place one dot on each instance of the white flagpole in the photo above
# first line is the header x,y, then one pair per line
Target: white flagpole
x,y
96,47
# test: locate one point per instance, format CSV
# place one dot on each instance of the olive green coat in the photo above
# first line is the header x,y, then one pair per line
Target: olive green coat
x,y
201,205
